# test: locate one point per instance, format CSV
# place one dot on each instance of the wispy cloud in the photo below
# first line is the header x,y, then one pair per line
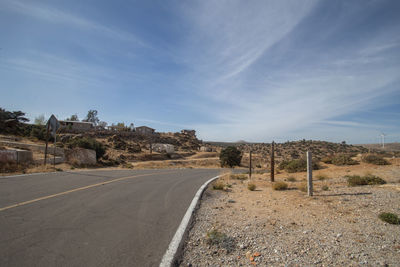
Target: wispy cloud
x,y
258,91
254,70
54,15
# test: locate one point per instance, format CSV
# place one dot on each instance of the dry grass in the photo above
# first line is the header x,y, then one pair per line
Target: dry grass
x,y
279,186
202,155
251,186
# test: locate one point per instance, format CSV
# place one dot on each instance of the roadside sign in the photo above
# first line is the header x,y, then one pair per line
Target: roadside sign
x,y
54,125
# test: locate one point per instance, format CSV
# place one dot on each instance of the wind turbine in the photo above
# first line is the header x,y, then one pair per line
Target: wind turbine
x,y
383,139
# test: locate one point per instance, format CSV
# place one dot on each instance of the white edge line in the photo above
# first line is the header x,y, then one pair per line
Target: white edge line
x,y
173,247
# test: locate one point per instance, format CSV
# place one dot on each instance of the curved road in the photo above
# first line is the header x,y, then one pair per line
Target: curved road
x,y
94,218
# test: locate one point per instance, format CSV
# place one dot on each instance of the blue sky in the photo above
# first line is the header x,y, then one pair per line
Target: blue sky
x,y
252,70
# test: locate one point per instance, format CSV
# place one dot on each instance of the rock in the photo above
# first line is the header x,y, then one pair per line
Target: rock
x,y
248,254
257,254
80,156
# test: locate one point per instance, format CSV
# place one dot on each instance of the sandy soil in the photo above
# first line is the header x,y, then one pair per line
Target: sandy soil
x,y
336,227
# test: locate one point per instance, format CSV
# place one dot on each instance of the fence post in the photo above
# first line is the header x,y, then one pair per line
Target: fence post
x,y
250,166
309,174
272,163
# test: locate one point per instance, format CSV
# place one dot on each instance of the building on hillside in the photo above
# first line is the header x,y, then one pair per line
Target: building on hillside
x,y
144,130
206,149
189,132
78,126
167,148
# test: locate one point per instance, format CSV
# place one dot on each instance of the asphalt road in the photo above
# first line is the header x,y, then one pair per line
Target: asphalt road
x,y
94,218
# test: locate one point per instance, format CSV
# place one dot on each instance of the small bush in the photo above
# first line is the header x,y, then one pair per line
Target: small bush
x,y
128,166
39,132
251,186
297,165
389,218
356,180
215,237
343,159
374,159
303,187
325,188
239,176
321,177
59,169
219,239
218,185
291,179
327,160
279,186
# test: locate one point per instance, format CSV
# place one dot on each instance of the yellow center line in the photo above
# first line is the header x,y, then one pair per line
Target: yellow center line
x,y
77,189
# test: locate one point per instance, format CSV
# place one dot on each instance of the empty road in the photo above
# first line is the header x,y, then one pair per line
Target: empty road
x,y
94,218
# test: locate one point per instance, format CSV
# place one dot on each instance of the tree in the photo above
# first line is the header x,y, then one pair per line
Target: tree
x,y
92,117
10,122
40,120
73,118
230,156
18,116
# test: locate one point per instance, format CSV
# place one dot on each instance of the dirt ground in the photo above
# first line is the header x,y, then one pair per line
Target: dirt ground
x,y
338,226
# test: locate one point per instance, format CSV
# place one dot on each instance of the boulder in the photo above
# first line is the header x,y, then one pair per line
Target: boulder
x,y
81,156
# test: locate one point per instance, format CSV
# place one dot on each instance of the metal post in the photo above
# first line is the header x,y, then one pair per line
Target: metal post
x,y
54,158
250,166
47,141
272,162
309,174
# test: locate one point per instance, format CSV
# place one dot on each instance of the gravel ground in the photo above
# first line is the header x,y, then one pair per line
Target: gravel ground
x,y
338,227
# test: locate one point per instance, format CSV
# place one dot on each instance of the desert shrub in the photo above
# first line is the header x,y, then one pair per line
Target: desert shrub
x,y
230,156
39,132
251,186
327,160
280,186
355,180
88,143
218,185
297,165
128,166
343,159
239,176
325,188
321,177
291,179
219,239
303,187
374,159
389,218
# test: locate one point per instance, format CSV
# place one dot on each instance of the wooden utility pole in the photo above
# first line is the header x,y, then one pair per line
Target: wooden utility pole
x,y
250,166
309,174
272,163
